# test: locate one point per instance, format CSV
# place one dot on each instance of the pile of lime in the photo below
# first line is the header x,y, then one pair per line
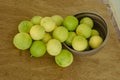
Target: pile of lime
x,y
42,35
84,36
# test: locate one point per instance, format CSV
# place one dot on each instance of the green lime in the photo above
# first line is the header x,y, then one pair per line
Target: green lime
x,y
60,33
94,32
25,26
64,59
70,22
22,41
79,43
37,32
88,21
36,19
38,49
54,47
58,19
71,36
84,30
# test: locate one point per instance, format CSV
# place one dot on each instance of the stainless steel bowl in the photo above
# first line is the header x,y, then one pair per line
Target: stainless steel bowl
x,y
99,24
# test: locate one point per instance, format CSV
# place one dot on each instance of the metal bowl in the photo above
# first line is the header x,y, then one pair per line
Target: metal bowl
x,y
99,24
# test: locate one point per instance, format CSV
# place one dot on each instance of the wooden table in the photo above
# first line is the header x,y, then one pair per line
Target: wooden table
x,y
18,65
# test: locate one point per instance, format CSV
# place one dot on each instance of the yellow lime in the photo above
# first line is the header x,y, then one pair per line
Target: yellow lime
x,y
88,21
95,41
79,43
84,30
37,32
48,23
46,37
54,47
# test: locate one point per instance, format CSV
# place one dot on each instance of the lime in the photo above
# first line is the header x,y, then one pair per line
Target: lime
x,y
64,59
60,33
88,21
38,49
58,19
79,43
71,35
70,22
37,32
54,47
25,26
22,41
94,32
36,19
46,37
48,23
84,30
95,41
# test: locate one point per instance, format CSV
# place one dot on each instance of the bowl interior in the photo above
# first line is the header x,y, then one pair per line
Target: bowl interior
x,y
99,24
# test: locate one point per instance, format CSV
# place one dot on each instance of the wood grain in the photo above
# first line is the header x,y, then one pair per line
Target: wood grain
x,y
18,65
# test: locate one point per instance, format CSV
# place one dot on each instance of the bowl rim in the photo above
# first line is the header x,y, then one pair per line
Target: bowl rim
x,y
93,51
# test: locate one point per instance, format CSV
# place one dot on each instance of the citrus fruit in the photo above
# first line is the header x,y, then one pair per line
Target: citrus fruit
x,y
37,32
70,22
84,30
88,21
48,23
58,19
60,33
54,47
25,26
64,59
94,32
36,19
46,37
71,35
95,41
37,49
79,43
22,41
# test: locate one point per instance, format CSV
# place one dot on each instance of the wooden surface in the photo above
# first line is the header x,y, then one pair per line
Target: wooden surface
x,y
18,65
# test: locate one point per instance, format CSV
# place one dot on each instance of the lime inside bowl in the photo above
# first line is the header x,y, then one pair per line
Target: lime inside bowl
x,y
99,24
